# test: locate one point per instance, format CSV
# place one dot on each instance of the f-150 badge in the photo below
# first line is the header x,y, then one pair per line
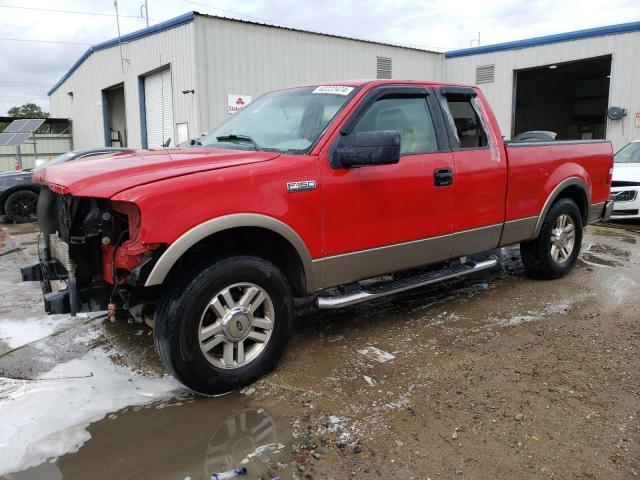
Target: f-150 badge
x,y
301,186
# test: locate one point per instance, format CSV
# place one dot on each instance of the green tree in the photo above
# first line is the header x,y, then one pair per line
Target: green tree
x,y
28,110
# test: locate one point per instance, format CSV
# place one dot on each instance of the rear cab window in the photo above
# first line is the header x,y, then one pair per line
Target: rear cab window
x,y
465,120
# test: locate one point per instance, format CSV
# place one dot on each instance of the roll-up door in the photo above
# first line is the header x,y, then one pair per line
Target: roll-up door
x,y
158,107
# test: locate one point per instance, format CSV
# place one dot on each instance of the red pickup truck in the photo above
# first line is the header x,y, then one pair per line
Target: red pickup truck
x,y
340,193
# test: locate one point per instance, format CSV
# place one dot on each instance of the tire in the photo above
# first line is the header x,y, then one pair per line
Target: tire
x,y
195,302
20,206
539,257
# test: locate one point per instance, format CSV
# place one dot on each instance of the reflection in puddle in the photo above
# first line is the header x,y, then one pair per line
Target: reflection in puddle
x,y
607,255
190,439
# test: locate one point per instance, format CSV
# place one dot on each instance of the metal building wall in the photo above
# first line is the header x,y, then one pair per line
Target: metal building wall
x,y
103,69
48,146
623,90
251,59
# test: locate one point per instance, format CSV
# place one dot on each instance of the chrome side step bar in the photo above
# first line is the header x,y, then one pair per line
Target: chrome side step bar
x,y
397,286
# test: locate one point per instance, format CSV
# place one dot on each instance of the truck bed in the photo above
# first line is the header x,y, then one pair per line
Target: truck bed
x,y
536,168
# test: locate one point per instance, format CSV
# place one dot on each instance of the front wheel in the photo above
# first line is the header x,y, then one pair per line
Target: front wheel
x,y
20,206
556,249
226,325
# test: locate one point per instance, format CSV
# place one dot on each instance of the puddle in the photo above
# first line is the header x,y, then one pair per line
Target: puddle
x,y
605,255
47,417
178,439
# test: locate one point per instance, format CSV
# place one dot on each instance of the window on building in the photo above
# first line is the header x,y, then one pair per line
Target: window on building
x,y
407,115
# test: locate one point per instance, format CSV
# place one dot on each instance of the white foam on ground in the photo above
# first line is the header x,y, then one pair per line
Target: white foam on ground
x,y
18,332
376,354
46,418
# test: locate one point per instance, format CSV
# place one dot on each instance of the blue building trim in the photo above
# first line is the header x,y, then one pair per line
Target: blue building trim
x,y
106,119
145,32
143,113
537,41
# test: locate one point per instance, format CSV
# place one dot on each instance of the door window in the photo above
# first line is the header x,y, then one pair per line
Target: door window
x,y
466,120
407,115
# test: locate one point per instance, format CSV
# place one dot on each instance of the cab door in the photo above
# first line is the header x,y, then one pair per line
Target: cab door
x,y
479,173
385,218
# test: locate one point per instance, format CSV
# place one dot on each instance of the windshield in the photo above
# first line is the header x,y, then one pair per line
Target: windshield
x,y
630,153
285,121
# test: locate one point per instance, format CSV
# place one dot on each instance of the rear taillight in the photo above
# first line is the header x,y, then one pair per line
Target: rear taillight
x,y
610,176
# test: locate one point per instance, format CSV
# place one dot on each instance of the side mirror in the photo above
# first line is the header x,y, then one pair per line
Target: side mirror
x,y
367,149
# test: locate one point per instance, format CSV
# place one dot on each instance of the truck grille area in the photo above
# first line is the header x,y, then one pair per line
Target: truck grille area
x,y
76,229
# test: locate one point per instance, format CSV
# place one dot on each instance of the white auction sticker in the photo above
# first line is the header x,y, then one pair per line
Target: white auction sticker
x,y
334,89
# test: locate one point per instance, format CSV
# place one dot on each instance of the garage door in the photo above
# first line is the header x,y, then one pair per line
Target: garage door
x,y
158,107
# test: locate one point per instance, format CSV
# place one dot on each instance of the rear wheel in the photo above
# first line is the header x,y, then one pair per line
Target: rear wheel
x,y
20,206
226,325
556,249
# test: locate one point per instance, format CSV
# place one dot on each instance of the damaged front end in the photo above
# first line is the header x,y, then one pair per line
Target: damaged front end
x,y
90,257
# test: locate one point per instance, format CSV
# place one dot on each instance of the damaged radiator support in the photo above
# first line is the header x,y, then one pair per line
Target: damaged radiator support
x,y
60,251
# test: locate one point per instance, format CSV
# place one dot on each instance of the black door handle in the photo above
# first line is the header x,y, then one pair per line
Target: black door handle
x,y
442,177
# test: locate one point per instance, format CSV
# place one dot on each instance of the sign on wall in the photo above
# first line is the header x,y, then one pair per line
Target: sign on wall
x,y
237,102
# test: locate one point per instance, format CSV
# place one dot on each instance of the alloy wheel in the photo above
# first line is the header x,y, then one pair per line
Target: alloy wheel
x,y
236,325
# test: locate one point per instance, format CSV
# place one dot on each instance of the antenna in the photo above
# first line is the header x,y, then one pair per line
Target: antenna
x,y
145,15
115,4
477,40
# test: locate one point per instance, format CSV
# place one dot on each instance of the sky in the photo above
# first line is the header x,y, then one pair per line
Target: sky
x,y
39,42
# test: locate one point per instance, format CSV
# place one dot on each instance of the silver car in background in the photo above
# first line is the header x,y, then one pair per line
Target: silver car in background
x,y
625,185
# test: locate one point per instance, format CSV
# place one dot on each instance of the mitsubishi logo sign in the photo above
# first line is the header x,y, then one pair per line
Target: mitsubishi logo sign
x,y
237,102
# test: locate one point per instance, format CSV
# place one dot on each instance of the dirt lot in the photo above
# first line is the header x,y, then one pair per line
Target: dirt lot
x,y
498,376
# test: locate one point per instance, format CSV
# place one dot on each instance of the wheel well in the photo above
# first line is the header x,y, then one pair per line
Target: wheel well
x,y
258,241
579,196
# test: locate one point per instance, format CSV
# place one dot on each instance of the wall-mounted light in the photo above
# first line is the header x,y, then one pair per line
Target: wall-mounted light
x,y
553,67
188,91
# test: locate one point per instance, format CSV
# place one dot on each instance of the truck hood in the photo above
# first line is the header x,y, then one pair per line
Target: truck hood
x,y
626,172
103,177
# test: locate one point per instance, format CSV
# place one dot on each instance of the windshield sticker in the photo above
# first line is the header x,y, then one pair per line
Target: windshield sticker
x,y
334,89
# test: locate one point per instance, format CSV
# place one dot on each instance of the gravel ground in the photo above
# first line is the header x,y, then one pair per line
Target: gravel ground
x,y
496,376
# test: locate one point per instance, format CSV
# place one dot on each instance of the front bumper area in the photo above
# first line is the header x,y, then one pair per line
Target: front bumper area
x,y
70,300
626,202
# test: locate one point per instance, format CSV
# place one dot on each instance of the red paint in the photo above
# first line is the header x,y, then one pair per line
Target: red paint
x,y
177,189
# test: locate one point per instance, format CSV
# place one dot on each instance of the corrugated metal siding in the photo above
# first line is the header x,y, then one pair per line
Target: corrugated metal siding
x,y
103,69
239,58
625,76
48,146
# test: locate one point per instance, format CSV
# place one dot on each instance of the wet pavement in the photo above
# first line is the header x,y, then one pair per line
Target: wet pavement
x,y
493,376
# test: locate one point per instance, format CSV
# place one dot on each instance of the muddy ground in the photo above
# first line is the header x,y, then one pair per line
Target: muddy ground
x,y
497,376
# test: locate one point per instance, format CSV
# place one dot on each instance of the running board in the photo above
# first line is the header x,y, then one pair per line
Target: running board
x,y
397,286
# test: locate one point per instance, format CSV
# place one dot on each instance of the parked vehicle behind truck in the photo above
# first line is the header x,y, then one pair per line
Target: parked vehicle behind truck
x,y
19,194
625,183
308,192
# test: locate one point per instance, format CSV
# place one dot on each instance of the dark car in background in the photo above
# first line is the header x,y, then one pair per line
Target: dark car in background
x,y
18,193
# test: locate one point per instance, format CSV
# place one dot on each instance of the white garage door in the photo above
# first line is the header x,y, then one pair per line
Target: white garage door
x,y
158,107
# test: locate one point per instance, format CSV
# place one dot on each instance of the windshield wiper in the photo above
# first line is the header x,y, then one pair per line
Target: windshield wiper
x,y
233,136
